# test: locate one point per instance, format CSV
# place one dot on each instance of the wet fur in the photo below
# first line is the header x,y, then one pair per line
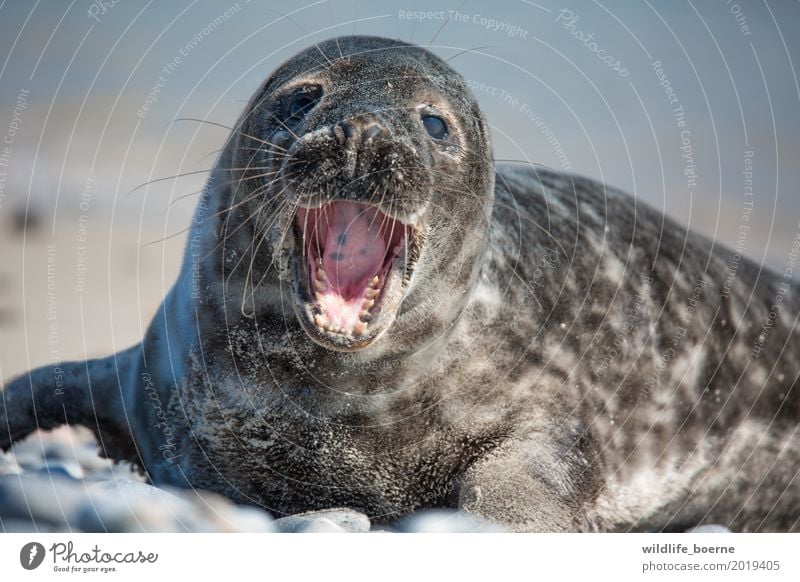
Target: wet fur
x,y
526,375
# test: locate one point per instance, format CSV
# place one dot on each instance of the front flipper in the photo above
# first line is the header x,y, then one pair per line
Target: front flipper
x,y
531,486
88,393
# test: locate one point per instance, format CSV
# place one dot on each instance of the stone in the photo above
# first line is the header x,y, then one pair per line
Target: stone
x,y
347,520
709,528
446,521
44,498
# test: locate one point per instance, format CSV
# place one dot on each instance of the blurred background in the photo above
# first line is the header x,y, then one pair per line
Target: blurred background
x,y
694,107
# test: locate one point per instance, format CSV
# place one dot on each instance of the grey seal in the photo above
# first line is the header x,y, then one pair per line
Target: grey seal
x,y
375,315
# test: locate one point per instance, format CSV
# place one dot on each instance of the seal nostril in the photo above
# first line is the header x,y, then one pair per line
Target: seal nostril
x,y
347,131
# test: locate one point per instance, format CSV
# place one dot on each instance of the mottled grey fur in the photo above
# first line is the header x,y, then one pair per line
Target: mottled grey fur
x,y
564,358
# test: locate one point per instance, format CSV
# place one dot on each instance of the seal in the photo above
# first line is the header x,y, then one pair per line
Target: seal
x,y
375,315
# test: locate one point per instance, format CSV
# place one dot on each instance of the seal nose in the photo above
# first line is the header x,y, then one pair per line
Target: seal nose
x,y
353,131
355,137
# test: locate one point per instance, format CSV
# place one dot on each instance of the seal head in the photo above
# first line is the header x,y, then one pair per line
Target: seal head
x,y
366,161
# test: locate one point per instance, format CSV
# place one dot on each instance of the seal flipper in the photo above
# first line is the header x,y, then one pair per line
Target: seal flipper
x,y
87,393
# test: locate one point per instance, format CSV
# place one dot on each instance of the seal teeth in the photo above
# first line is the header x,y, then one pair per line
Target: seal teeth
x,y
360,328
368,305
373,290
321,321
320,286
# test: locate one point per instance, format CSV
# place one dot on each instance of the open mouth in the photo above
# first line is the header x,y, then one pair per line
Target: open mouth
x,y
355,263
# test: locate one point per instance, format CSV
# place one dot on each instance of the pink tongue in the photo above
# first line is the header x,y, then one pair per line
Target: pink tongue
x,y
354,248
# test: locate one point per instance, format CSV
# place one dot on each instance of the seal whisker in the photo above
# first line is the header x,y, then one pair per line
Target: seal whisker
x,y
265,142
247,199
190,173
222,125
255,194
298,25
279,155
445,23
248,279
284,233
176,176
223,184
527,163
284,126
471,50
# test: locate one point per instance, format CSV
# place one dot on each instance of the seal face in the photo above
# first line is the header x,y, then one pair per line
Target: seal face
x,y
356,159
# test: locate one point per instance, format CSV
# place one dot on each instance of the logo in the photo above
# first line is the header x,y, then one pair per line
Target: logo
x,y
31,555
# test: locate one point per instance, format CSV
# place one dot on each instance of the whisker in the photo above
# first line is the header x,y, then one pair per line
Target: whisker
x,y
445,23
470,50
283,124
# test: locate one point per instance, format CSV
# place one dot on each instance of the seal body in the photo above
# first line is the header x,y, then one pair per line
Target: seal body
x,y
383,319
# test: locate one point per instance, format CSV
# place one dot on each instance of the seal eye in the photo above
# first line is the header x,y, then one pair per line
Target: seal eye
x,y
435,126
302,102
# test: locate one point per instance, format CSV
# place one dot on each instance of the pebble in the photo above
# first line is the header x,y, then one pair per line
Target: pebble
x,y
709,528
26,526
250,520
41,498
223,515
8,465
89,459
321,525
125,505
66,468
28,460
57,482
446,521
345,520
